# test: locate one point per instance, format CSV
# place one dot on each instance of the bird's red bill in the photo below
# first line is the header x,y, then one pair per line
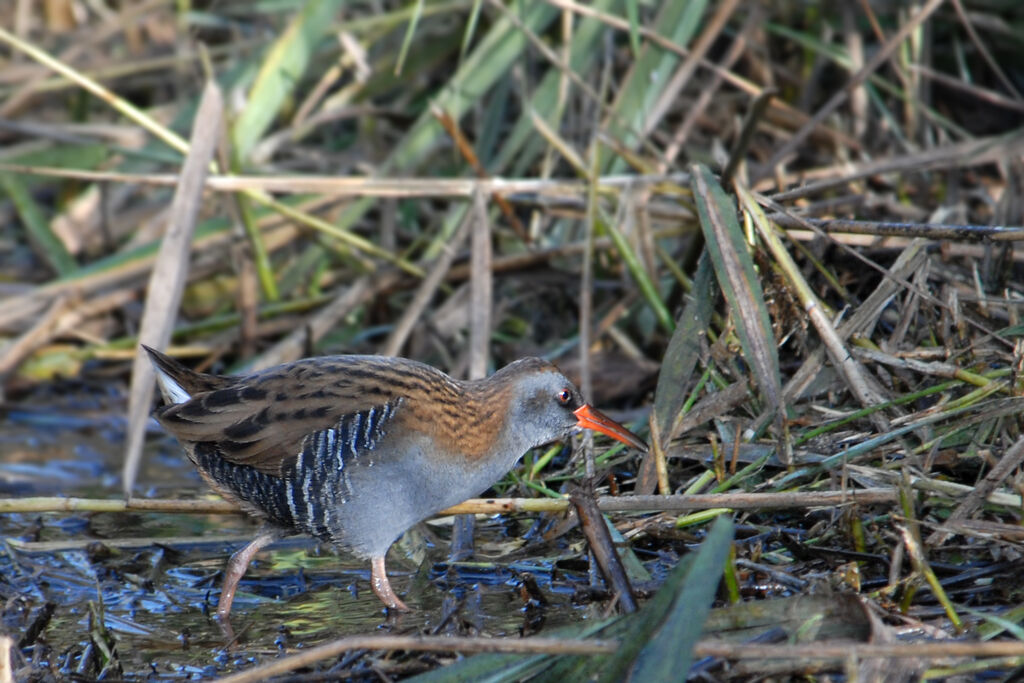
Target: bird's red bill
x,y
591,418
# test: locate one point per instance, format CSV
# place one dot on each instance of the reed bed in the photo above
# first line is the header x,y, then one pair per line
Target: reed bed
x,y
777,239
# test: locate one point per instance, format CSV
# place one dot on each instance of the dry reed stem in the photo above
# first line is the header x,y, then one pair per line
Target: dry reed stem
x,y
170,272
880,57
490,506
942,650
426,290
550,646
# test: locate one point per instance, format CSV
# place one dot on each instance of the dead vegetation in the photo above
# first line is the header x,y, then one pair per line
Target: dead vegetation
x,y
778,238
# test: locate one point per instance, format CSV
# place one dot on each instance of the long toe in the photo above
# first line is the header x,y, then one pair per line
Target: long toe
x,y
382,587
237,566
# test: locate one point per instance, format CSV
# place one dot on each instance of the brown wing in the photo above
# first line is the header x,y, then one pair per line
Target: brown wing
x,y
261,420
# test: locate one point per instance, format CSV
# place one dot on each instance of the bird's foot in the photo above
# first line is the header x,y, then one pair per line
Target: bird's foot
x,y
237,566
382,587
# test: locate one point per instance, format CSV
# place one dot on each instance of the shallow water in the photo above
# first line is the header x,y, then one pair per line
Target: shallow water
x,y
152,579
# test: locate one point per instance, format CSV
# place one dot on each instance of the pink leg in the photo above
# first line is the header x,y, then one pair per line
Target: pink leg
x,y
237,566
382,587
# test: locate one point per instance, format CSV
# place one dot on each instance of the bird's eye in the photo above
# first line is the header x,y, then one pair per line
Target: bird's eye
x,y
564,396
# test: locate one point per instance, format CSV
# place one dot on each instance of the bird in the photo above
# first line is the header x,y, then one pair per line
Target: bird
x,y
356,449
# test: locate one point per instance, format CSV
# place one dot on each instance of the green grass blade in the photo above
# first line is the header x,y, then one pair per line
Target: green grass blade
x,y
471,24
488,63
414,21
650,72
281,71
683,353
51,248
637,271
734,268
633,14
669,653
522,146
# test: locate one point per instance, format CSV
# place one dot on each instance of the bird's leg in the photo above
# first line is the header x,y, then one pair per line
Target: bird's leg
x,y
237,566
382,587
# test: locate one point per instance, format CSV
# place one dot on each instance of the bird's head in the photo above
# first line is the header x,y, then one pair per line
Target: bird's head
x,y
544,406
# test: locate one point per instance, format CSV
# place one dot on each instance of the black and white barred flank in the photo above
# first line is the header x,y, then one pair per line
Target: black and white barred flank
x,y
308,494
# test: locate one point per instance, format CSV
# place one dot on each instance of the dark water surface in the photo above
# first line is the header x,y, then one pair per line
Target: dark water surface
x,y
147,583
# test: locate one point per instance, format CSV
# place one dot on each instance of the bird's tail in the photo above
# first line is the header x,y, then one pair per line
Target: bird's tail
x,y
178,383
